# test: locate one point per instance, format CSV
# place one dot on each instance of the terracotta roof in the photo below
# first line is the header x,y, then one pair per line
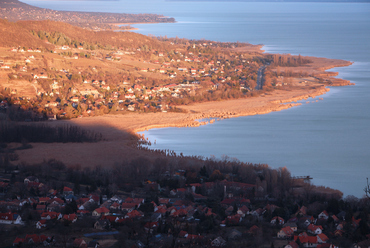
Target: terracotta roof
x,y
287,230
44,199
180,212
323,237
53,215
128,205
182,234
111,218
293,244
58,200
17,241
67,189
134,214
102,210
70,217
7,216
151,225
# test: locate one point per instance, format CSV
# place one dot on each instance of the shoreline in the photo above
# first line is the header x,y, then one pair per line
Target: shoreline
x,y
275,106
120,131
270,106
133,23
119,26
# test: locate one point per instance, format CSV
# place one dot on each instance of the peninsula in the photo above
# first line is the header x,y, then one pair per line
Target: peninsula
x,y
14,10
118,83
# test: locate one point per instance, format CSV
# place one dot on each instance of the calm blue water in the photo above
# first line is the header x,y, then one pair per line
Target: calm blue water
x,y
330,139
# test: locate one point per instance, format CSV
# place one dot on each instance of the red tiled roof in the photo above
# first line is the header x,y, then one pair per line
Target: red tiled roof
x,y
102,210
70,217
44,199
128,205
53,215
182,234
287,230
323,237
17,241
228,201
163,201
134,214
151,225
40,207
34,237
313,227
67,189
180,212
6,216
111,218
58,200
161,210
43,222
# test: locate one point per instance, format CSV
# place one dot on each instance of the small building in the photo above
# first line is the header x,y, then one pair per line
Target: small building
x,y
285,233
292,225
102,225
100,211
323,215
10,218
277,221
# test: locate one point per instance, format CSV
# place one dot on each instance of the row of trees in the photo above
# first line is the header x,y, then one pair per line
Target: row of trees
x,y
288,60
14,132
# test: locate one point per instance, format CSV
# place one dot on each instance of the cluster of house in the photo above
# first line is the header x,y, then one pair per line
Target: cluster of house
x,y
118,209
181,205
132,94
313,235
22,50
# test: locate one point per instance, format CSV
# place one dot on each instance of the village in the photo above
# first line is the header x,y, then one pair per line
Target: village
x,y
183,209
149,198
167,80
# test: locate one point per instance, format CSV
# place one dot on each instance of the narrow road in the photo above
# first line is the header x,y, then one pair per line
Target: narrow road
x,y
260,77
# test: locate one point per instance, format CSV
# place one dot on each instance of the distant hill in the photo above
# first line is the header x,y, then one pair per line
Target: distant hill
x,y
118,39
19,34
297,1
14,10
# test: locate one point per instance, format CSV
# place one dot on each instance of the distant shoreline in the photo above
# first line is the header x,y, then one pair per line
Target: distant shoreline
x,y
276,1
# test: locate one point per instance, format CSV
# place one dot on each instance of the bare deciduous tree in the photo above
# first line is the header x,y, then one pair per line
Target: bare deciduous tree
x,y
367,188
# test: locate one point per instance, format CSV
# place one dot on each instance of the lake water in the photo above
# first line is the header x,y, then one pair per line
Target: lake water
x,y
328,140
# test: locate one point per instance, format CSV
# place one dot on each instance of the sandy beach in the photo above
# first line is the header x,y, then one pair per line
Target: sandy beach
x,y
119,131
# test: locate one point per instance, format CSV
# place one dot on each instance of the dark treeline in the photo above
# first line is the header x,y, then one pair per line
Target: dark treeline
x,y
289,60
13,132
171,173
289,73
